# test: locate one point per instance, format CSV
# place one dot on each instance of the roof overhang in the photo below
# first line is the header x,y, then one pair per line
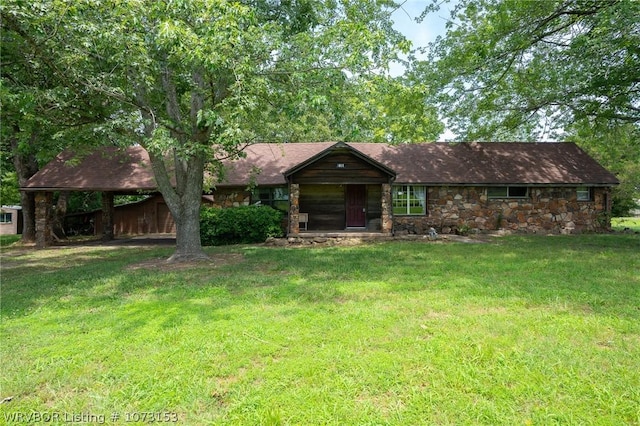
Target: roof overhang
x,y
340,146
107,169
528,184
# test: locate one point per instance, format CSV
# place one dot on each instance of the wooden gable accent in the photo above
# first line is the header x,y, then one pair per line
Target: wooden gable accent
x,y
340,164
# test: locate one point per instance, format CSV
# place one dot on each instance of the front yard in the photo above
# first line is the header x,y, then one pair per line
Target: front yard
x,y
519,330
626,224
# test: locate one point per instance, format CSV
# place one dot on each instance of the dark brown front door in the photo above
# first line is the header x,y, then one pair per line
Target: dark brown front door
x,y
356,206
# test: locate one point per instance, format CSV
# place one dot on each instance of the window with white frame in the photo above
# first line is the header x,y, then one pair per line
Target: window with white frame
x,y
409,200
276,197
583,193
507,192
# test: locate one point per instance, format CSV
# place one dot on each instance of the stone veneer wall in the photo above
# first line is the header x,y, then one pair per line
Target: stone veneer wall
x,y
224,197
544,210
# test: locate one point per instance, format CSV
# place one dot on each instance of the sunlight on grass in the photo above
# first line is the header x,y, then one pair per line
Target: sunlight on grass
x,y
521,330
8,240
626,223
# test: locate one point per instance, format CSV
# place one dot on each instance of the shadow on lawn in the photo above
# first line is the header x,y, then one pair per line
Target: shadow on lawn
x,y
597,274
34,277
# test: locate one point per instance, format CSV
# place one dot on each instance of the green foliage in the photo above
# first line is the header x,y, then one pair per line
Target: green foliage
x,y
529,70
521,69
9,189
626,224
463,229
244,224
119,200
617,147
7,240
194,81
368,108
622,206
45,107
83,202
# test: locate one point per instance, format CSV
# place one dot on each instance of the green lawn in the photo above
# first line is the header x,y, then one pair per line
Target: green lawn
x,y
520,330
624,223
6,240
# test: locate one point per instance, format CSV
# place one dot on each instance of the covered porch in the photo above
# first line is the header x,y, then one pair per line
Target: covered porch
x,y
340,192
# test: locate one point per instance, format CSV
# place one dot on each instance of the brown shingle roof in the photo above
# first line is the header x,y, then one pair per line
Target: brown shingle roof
x,y
272,160
440,163
491,163
107,169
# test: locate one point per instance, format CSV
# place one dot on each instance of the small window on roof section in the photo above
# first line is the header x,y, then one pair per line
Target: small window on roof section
x,y
507,192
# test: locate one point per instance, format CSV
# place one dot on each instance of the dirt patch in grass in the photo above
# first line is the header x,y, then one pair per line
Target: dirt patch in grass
x,y
161,264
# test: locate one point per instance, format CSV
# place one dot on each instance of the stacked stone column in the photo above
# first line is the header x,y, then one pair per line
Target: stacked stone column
x,y
44,220
294,209
387,209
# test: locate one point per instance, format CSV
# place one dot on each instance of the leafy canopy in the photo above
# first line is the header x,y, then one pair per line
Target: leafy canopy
x,y
529,69
196,80
261,70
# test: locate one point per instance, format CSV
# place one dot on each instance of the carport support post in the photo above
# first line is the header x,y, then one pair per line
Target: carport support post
x,y
294,209
44,222
107,216
387,209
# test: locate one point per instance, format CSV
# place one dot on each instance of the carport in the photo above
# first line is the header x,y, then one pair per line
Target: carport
x,y
110,171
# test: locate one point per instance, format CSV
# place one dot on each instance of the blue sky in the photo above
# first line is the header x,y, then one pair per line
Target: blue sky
x,y
421,33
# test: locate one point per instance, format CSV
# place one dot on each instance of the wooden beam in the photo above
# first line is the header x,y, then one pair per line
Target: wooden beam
x,y
107,216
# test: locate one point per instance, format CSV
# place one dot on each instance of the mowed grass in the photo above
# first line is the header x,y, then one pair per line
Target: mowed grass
x,y
626,224
6,240
520,330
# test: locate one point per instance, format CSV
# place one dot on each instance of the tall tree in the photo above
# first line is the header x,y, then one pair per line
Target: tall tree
x,y
560,69
525,69
22,87
617,147
372,108
196,79
41,109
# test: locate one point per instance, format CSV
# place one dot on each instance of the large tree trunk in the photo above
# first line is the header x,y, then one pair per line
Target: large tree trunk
x,y
188,244
44,204
28,203
26,166
183,198
184,203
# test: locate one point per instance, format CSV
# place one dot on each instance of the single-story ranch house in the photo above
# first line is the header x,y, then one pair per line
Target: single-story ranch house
x,y
381,188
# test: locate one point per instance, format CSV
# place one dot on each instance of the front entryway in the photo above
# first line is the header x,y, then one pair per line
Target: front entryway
x,y
356,202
